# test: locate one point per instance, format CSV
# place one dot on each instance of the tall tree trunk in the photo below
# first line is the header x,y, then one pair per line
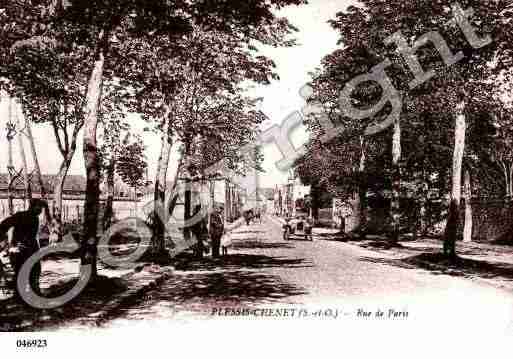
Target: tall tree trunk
x,y
109,210
362,191
506,181
93,98
10,164
315,200
510,176
507,178
422,208
26,181
58,187
233,202
212,189
467,229
396,180
160,214
227,199
187,214
451,228
179,160
174,181
37,170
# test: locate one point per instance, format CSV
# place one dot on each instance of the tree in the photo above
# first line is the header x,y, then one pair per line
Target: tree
x,y
382,24
206,115
121,154
500,153
334,134
98,25
132,163
48,77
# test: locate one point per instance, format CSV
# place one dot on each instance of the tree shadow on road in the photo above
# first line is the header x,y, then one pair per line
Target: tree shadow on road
x,y
387,261
248,232
187,262
16,316
201,292
437,263
298,238
336,237
432,250
255,244
385,244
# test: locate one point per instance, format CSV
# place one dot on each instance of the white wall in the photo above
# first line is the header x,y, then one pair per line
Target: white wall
x,y
72,209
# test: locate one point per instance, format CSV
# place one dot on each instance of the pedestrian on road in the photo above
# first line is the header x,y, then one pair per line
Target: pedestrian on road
x,y
216,230
246,217
258,215
200,230
24,244
309,228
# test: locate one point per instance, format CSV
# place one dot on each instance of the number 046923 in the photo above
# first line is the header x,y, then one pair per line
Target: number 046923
x,y
31,343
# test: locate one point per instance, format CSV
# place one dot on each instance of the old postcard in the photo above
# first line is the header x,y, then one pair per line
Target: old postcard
x,y
284,176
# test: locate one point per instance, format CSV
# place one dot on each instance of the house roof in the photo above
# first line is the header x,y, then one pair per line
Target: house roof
x,y
72,183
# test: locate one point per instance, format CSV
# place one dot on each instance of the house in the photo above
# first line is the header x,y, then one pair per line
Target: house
x,y
289,198
73,195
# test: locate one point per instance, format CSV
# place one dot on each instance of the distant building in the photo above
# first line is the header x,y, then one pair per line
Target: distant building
x,y
73,195
289,198
277,200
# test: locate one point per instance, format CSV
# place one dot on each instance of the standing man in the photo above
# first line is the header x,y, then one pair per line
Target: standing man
x,y
216,230
24,240
246,217
200,230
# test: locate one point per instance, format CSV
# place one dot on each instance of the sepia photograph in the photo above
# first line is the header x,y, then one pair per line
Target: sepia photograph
x,y
290,178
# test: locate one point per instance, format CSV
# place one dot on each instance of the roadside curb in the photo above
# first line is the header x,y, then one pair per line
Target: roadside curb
x,y
133,292
446,270
138,288
460,273
114,302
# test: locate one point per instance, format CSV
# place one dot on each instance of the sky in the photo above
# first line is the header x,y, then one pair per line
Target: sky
x,y
280,99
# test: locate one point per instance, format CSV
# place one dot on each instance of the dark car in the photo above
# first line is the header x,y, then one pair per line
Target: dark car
x,y
298,226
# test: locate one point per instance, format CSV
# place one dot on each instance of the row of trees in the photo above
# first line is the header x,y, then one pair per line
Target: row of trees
x,y
450,118
83,65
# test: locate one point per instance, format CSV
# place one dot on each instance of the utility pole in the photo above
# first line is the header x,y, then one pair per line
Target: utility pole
x,y
37,169
11,131
26,183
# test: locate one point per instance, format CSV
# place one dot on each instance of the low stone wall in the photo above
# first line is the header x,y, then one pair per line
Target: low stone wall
x,y
73,209
492,220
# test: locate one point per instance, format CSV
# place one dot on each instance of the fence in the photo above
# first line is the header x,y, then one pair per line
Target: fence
x,y
492,219
73,209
